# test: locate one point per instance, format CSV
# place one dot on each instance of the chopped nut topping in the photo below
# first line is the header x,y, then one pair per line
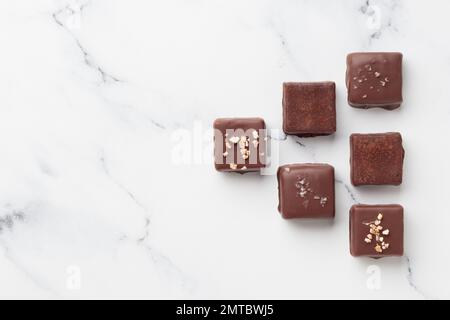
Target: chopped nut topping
x,y
244,168
225,154
316,198
233,166
234,139
228,145
287,169
376,230
386,79
383,83
255,134
364,96
377,74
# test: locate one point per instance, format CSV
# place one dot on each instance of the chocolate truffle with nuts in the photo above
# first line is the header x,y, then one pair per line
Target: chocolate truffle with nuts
x,y
239,144
306,191
374,79
376,230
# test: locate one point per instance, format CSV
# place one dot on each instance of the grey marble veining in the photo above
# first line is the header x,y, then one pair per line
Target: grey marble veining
x,y
97,95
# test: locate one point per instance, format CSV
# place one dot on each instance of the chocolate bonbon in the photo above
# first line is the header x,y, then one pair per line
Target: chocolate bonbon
x,y
374,79
239,144
309,108
376,159
306,191
376,230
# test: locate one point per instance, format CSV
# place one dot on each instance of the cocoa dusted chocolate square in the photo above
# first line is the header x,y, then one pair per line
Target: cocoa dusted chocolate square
x,y
376,230
309,108
240,144
376,159
374,79
306,191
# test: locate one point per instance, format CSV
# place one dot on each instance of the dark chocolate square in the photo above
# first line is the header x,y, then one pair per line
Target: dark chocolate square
x,y
374,79
309,109
306,191
376,159
239,144
376,230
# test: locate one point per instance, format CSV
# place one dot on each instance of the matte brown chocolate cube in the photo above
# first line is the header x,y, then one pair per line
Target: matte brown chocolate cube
x,y
376,230
309,109
239,144
376,159
306,191
374,79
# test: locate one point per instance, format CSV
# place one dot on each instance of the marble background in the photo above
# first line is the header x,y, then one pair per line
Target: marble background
x,y
95,95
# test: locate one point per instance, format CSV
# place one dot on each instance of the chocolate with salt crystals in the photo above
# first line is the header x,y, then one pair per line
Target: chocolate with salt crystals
x,y
374,79
376,230
239,144
306,191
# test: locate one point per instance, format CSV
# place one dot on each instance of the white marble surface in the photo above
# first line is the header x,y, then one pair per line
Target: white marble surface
x,y
93,204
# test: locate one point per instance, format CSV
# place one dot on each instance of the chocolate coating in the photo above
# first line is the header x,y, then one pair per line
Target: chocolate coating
x,y
362,216
376,159
228,155
374,79
309,109
306,191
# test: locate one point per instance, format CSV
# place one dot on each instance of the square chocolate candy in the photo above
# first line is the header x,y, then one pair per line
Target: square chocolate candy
x,y
374,79
239,144
306,191
376,159
376,230
309,109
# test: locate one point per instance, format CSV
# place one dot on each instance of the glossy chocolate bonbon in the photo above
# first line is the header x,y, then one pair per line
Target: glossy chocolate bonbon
x,y
374,79
306,191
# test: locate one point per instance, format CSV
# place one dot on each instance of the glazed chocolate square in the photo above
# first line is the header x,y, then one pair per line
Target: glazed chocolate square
x,y
374,79
376,230
376,159
309,109
306,191
239,144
